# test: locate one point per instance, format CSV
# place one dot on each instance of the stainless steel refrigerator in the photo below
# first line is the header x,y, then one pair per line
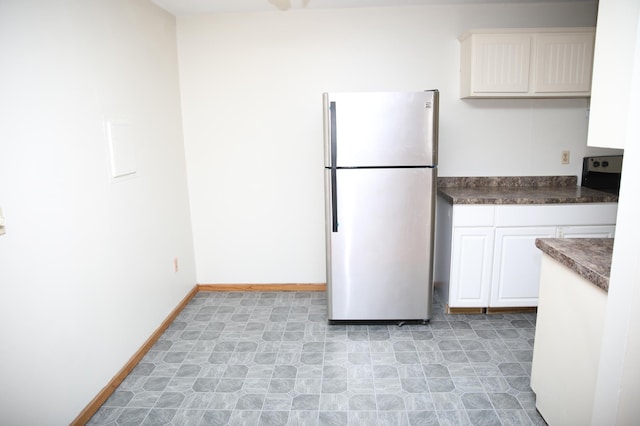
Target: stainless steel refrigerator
x,y
380,183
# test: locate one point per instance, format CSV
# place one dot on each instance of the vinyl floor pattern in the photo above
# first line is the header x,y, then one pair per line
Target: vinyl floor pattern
x,y
270,358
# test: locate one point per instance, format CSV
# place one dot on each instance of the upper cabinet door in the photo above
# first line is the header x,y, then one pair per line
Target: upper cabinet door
x,y
501,63
564,62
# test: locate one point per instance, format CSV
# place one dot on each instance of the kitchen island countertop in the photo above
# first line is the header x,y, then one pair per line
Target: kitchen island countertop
x,y
519,190
588,257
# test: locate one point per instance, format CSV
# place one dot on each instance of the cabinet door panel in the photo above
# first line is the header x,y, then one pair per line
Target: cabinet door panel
x,y
516,266
501,63
472,253
564,62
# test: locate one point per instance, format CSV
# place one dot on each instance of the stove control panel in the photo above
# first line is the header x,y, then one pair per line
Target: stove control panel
x,y
604,164
602,173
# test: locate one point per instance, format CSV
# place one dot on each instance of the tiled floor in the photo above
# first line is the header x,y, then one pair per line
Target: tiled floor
x,y
271,359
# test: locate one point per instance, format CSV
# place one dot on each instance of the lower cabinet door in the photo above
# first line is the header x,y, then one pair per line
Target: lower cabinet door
x,y
516,266
471,257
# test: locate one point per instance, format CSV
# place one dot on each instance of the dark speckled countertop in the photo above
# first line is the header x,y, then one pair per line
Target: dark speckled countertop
x,y
519,190
589,257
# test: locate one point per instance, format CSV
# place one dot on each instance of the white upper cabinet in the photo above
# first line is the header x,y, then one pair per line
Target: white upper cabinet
x,y
507,63
616,74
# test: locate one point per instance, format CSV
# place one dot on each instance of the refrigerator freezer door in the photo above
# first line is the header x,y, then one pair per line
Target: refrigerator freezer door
x,y
381,129
380,260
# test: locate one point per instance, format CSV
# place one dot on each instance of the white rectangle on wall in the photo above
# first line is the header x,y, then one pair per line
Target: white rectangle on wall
x,y
122,153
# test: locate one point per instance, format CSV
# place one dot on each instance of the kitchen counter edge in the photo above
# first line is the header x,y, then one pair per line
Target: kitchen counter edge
x,y
588,257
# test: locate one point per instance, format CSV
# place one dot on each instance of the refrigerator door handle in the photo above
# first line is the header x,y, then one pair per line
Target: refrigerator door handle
x,y
334,180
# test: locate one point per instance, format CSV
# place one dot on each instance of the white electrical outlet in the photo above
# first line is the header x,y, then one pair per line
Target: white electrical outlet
x,y
175,265
1,222
565,158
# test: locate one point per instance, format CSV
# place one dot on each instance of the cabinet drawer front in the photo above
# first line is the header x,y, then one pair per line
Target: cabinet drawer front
x,y
473,215
556,215
598,231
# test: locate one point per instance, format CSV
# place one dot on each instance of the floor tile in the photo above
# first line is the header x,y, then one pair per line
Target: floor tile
x,y
271,358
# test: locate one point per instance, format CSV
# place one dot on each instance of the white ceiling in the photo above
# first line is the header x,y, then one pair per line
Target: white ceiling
x,y
197,7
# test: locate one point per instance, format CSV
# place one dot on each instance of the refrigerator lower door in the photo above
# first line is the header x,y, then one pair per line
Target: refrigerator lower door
x,y
379,262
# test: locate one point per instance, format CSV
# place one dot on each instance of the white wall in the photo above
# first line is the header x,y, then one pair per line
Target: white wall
x,y
251,95
85,266
618,387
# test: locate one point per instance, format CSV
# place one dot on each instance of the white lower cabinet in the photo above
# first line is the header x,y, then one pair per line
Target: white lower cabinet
x,y
516,266
471,266
486,254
